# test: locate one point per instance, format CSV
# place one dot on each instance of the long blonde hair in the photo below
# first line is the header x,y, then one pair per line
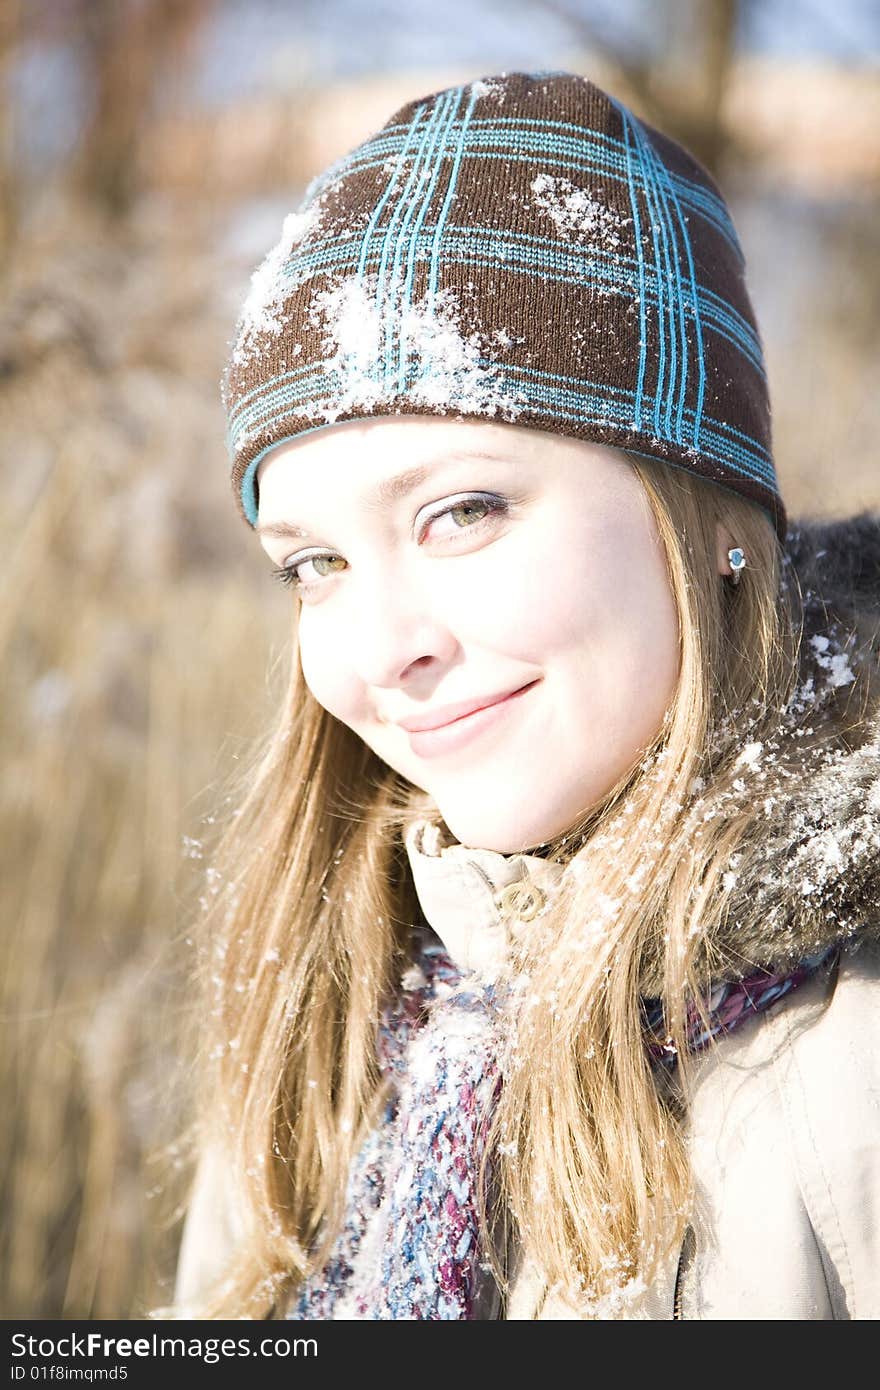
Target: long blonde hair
x,y
306,931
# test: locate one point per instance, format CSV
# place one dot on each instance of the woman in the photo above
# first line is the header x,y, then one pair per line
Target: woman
x,y
541,964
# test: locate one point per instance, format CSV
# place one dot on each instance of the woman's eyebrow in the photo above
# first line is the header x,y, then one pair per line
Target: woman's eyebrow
x,y
388,490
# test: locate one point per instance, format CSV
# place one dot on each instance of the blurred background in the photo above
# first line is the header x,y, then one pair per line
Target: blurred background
x,y
149,150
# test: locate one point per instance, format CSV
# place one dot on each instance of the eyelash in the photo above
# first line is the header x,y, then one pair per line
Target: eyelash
x,y
496,506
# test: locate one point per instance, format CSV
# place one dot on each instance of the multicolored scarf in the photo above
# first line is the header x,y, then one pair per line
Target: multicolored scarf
x,y
410,1245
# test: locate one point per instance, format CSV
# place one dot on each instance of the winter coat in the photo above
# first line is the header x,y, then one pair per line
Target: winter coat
x,y
784,1121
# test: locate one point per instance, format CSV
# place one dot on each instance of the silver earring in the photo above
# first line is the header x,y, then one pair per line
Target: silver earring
x,y
737,562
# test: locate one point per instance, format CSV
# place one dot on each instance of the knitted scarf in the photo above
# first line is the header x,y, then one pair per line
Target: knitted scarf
x,y
410,1244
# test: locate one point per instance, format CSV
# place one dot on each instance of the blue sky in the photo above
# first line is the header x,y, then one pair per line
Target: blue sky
x,y
331,38
277,45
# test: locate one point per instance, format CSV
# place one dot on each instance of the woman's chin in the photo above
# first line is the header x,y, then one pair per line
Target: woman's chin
x,y
491,832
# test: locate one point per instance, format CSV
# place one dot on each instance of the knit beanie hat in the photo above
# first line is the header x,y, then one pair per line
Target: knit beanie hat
x,y
524,249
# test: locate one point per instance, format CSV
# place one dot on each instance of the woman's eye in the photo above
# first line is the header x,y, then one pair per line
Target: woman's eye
x,y
465,514
290,574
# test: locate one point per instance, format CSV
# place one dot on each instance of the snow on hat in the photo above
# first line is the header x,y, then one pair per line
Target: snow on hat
x,y
522,249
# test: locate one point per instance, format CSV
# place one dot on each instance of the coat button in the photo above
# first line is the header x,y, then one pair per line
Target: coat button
x,y
523,900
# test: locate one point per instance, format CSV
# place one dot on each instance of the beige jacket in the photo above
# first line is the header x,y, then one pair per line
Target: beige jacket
x,y
785,1128
786,1155
784,1124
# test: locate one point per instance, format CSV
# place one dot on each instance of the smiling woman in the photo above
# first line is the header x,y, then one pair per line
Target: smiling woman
x,y
422,611
549,982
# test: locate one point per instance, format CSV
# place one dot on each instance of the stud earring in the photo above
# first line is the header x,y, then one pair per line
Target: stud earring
x,y
737,562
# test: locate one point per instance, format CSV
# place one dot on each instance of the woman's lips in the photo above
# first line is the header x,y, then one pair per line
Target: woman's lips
x,y
431,742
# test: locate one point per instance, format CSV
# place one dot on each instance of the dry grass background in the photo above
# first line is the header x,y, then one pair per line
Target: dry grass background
x,y
139,633
135,629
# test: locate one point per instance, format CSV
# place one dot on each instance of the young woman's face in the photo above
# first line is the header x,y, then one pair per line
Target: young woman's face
x,y
512,570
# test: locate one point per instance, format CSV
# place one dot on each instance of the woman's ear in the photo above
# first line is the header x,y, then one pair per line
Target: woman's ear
x,y
724,541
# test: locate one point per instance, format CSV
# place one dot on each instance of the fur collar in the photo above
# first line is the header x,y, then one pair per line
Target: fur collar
x,y
810,873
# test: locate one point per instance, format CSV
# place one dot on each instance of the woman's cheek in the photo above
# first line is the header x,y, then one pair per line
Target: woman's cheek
x,y
493,602
328,682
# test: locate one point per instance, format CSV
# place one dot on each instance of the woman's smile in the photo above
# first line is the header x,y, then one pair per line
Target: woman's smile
x,y
449,737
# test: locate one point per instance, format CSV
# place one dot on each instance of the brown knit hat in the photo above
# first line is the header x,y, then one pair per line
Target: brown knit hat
x,y
521,248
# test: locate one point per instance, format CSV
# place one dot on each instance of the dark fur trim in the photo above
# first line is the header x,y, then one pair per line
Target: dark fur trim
x,y
810,873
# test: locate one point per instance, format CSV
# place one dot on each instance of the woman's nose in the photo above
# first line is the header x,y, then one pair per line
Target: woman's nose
x,y
396,631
